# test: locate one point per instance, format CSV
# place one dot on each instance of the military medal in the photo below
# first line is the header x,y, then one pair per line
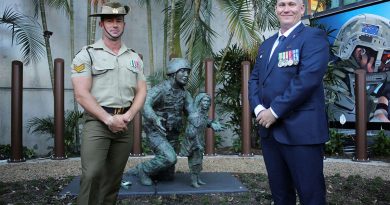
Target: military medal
x,y
296,56
290,58
285,59
280,60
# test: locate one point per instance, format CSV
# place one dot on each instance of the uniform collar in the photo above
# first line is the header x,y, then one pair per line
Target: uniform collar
x,y
100,45
289,30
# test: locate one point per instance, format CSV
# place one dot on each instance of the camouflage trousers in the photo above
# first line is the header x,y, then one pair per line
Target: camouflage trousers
x,y
162,166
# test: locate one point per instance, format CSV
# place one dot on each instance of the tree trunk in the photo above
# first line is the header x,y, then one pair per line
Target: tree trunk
x,y
47,35
165,50
88,21
150,36
93,25
72,53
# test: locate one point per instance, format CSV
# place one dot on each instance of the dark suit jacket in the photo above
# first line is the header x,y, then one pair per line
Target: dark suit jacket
x,y
296,92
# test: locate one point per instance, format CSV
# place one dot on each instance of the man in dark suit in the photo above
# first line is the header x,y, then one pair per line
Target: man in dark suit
x,y
287,96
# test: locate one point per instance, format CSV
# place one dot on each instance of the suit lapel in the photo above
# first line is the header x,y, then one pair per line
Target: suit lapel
x,y
267,54
274,58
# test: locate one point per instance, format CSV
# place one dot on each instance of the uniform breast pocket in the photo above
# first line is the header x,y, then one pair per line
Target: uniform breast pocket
x,y
130,75
103,75
100,70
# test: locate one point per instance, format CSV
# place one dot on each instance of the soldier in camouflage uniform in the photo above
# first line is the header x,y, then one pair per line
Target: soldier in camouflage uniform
x,y
164,108
363,42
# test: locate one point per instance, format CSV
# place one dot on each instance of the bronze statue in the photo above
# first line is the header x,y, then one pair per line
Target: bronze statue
x,y
193,144
164,108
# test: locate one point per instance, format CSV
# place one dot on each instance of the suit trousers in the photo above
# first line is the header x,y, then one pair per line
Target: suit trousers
x,y
294,168
103,158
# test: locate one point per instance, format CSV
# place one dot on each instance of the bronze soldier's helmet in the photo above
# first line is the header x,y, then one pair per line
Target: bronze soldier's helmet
x,y
176,64
112,8
367,30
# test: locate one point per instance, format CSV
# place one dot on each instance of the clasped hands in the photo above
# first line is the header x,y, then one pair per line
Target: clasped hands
x,y
118,123
265,118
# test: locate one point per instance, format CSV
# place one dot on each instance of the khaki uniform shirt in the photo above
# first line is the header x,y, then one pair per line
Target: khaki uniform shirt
x,y
114,77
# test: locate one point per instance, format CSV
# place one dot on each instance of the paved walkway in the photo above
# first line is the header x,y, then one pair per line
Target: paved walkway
x,y
45,168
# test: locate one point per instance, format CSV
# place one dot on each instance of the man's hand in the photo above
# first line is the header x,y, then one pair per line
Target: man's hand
x,y
117,123
265,118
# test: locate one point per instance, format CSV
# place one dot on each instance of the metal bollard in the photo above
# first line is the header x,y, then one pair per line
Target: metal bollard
x,y
361,116
210,86
246,114
59,119
17,113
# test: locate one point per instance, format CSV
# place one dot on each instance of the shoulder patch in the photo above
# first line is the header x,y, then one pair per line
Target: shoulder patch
x,y
79,68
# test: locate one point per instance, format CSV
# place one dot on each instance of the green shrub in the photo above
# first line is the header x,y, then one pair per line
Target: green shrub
x,y
5,152
335,144
46,126
218,141
381,145
237,145
228,96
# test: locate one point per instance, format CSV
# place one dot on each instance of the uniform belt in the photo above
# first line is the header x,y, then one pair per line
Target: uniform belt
x,y
116,111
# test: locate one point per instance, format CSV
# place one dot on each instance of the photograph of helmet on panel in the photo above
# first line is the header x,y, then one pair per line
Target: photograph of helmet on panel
x,y
361,40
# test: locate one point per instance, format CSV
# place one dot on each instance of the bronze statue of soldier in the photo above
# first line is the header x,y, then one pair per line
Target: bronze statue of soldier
x,y
165,106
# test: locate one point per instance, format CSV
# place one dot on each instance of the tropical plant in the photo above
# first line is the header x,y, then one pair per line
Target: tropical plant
x,y
237,145
335,144
46,126
247,27
5,152
218,141
26,32
147,3
381,145
228,96
156,78
198,36
65,6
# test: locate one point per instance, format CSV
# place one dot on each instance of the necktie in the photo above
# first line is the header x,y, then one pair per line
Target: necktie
x,y
280,39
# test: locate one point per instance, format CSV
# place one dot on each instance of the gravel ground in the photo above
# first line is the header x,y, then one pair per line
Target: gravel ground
x,y
45,168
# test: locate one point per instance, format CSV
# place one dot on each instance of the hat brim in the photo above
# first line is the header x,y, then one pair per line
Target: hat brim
x,y
100,15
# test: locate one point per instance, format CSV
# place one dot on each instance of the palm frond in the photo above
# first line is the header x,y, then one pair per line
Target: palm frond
x,y
199,39
26,32
41,125
265,16
156,77
240,21
61,5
